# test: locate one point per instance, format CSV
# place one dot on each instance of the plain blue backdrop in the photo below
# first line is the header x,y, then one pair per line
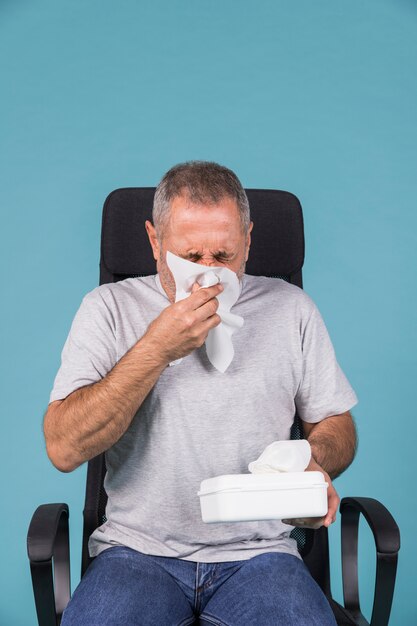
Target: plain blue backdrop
x,y
317,98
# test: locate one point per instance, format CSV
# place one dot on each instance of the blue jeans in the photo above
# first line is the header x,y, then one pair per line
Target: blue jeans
x,y
123,587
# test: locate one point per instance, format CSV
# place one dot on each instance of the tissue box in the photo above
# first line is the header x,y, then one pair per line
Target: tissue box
x,y
255,497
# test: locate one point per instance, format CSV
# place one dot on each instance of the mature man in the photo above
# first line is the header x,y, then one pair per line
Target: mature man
x,y
165,428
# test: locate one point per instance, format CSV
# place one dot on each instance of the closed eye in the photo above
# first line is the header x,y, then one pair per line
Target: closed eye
x,y
196,257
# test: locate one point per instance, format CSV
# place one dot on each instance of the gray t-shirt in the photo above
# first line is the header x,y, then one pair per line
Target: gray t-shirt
x,y
197,422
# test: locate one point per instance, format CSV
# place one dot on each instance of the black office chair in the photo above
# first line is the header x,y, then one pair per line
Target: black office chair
x,y
277,250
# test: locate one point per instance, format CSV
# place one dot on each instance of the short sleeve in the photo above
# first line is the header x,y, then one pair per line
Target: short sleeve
x,y
324,389
89,352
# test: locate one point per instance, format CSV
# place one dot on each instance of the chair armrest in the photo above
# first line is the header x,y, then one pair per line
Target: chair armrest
x,y
387,541
47,540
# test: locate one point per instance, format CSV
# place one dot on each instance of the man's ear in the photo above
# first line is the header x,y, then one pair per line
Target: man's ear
x,y
248,240
153,239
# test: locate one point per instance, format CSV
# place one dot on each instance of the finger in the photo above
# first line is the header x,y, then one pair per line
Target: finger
x,y
205,311
201,296
333,504
318,523
206,325
332,508
305,522
329,519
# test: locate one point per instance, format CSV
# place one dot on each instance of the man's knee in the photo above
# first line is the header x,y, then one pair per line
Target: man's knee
x,y
124,587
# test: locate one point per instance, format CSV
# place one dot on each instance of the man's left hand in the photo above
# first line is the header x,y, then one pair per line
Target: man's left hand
x,y
332,503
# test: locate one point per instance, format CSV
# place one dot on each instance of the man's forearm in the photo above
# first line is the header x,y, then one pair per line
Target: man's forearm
x,y
333,443
94,417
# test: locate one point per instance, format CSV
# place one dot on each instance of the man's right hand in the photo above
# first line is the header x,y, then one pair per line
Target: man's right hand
x,y
184,325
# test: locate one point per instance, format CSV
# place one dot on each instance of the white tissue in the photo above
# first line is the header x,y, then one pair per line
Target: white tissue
x,y
283,456
219,346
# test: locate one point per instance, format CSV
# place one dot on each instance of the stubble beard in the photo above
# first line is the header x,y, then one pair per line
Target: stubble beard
x,y
166,278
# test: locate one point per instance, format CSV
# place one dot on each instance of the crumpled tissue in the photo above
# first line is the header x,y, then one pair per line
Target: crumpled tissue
x,y
283,456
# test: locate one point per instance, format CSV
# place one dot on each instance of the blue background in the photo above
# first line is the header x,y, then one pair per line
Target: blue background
x,y
318,98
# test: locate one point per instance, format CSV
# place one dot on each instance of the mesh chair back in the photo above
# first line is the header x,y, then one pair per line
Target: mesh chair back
x,y
277,250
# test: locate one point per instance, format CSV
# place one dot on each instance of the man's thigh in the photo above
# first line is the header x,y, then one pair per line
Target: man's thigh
x,y
270,589
123,587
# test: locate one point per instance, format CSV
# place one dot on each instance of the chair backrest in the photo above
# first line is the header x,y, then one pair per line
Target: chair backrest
x,y
277,250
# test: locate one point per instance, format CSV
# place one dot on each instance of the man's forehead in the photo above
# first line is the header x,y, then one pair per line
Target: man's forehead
x,y
216,223
202,244
191,232
199,228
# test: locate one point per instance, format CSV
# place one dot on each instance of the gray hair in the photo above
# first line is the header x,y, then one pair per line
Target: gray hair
x,y
204,182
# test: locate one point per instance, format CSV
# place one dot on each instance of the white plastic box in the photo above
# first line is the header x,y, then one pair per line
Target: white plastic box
x,y
254,497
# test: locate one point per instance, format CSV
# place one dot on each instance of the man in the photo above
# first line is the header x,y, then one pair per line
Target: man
x,y
165,428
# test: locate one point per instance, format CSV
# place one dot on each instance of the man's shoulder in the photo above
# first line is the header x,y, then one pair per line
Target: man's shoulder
x,y
110,293
278,290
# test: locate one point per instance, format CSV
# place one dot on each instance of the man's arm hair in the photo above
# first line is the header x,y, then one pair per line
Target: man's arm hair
x,y
333,442
92,418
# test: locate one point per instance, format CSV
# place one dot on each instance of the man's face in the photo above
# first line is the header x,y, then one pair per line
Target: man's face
x,y
207,234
